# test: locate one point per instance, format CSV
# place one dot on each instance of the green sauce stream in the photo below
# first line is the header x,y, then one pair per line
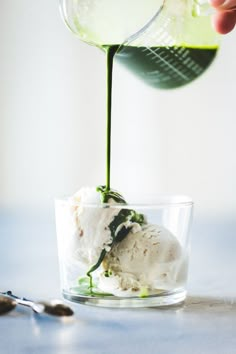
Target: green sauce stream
x,y
110,53
161,67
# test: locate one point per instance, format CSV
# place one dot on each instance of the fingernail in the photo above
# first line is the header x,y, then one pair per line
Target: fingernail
x,y
217,3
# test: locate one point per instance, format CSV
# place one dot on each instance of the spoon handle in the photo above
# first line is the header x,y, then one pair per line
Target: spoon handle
x,y
38,308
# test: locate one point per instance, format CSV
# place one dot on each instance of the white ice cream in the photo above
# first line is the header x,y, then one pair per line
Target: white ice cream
x,y
90,220
150,259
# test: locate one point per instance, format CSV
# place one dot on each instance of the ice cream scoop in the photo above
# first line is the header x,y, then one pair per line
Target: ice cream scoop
x,y
85,223
148,259
93,226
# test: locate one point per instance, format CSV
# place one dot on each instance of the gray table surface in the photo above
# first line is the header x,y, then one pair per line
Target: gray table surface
x,y
205,324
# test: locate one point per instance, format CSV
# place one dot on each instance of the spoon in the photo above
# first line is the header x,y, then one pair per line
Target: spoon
x,y
56,308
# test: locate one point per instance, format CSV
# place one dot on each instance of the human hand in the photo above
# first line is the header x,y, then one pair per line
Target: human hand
x,y
224,19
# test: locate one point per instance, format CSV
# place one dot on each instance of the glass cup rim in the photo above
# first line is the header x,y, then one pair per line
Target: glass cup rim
x,y
154,201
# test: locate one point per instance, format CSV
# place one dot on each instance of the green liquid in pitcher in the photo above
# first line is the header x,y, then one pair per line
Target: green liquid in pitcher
x,y
167,67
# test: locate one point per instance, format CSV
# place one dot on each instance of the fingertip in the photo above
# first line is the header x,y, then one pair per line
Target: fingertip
x,y
224,22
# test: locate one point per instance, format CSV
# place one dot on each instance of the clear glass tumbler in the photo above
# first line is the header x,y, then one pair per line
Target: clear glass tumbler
x,y
124,255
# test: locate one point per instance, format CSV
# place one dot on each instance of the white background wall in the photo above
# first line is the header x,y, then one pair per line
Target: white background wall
x,y
52,120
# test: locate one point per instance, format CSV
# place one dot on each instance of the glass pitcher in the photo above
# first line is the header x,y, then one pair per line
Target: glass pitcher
x,y
166,43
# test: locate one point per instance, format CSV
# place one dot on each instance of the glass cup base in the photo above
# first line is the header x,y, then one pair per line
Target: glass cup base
x,y
166,298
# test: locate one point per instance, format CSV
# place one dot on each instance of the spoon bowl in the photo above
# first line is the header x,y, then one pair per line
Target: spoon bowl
x,y
6,305
57,308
